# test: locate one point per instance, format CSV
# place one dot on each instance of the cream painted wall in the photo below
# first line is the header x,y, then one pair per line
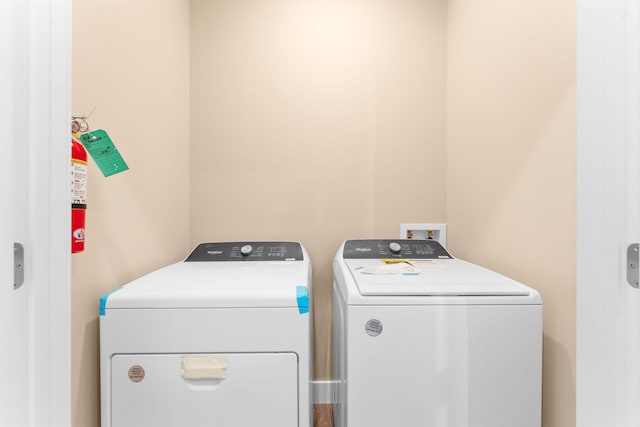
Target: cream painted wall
x,y
130,63
511,162
317,122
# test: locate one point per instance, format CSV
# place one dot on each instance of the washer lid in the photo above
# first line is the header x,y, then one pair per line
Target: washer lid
x,y
433,277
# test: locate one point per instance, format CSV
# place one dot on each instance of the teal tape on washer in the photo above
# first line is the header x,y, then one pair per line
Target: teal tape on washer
x,y
302,295
103,301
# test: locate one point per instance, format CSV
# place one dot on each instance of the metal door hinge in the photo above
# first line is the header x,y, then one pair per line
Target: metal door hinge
x,y
18,265
633,275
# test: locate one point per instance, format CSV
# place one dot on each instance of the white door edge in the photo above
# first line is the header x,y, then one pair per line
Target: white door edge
x,y
608,213
47,245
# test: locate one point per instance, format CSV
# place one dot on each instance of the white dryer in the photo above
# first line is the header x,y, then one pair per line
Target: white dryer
x,y
425,340
222,338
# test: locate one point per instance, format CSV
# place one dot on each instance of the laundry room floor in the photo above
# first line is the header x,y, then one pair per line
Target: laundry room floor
x,y
322,415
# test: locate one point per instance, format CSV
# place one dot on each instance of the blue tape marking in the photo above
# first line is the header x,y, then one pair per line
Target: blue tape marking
x,y
103,301
302,295
358,268
410,274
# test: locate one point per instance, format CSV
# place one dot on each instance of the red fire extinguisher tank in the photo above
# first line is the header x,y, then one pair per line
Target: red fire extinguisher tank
x,y
78,195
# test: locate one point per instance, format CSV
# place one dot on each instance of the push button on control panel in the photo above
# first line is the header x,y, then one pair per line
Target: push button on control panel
x,y
246,250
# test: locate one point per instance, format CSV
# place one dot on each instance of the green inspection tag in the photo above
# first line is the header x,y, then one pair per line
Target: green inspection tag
x,y
103,152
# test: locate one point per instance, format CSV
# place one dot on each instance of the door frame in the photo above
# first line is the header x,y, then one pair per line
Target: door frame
x,y
51,221
608,194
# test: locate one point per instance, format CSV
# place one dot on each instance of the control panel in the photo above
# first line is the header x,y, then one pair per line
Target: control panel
x,y
400,248
247,251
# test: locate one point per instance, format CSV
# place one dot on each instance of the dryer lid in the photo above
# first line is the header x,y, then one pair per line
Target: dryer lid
x,y
433,277
216,284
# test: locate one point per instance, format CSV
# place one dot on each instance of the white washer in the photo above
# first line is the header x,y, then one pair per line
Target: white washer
x,y
222,338
439,343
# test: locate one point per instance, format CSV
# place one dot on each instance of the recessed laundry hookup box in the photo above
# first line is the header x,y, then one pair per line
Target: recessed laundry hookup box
x,y
222,338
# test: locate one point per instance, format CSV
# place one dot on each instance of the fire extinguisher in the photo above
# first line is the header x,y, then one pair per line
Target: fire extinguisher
x,y
78,194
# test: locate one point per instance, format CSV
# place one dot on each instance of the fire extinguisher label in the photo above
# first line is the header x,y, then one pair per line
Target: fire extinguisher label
x,y
78,182
78,234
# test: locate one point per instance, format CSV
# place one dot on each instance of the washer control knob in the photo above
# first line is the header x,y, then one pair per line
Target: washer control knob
x,y
246,250
395,248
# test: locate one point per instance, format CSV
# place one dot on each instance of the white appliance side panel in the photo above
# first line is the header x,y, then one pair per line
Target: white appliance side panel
x,y
260,389
340,349
445,366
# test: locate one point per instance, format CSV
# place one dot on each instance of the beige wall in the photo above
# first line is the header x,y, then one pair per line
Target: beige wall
x,y
130,62
321,121
317,122
511,162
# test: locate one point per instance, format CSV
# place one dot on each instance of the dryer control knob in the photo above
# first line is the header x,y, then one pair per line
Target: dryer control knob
x,y
246,250
395,248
